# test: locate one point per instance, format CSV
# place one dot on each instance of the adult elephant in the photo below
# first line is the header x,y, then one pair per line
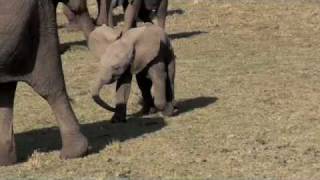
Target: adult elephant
x,y
78,16
133,9
142,9
29,52
102,17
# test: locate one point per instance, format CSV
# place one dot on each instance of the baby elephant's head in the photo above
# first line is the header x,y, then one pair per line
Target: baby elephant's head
x,y
114,63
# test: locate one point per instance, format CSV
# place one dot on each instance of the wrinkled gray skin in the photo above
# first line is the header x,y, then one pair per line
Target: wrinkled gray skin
x,y
145,51
141,9
29,52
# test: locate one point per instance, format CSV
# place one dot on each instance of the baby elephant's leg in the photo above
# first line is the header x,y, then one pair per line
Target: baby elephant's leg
x,y
158,75
145,85
122,96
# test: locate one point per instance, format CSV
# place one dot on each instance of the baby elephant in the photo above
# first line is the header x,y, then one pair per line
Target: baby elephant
x,y
145,51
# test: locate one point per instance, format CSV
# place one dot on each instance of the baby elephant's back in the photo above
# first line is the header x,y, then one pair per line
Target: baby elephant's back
x,y
147,34
148,41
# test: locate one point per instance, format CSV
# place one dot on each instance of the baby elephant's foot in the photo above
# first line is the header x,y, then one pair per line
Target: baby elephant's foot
x,y
74,145
116,118
170,110
7,157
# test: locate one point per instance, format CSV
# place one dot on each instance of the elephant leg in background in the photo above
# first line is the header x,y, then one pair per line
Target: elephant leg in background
x,y
104,6
122,95
145,85
80,10
131,14
72,20
144,14
125,4
113,4
7,142
159,76
162,13
47,80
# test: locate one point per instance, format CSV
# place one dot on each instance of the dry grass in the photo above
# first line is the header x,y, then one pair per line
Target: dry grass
x,y
247,85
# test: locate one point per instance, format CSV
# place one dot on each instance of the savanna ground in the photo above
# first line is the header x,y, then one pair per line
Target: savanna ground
x,y
248,90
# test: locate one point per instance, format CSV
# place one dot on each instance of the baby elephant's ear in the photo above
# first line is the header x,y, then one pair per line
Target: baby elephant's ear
x,y
147,46
101,38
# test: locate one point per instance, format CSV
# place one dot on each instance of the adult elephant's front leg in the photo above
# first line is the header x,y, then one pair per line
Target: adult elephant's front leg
x,y
74,144
122,96
48,81
7,144
103,12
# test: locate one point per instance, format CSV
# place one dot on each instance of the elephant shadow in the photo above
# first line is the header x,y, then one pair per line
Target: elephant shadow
x,y
99,134
175,11
188,105
64,47
186,34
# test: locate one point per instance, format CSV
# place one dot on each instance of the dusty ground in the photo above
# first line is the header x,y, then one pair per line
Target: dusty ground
x,y
247,86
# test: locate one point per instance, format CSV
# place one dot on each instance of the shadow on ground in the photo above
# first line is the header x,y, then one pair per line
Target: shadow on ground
x,y
66,46
188,105
175,11
99,134
186,34
185,105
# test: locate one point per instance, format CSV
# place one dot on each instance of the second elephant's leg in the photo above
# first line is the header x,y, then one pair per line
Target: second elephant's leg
x,y
72,20
162,13
103,12
110,13
131,14
122,95
7,143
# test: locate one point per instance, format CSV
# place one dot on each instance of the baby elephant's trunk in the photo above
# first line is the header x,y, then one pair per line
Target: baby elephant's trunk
x,y
96,97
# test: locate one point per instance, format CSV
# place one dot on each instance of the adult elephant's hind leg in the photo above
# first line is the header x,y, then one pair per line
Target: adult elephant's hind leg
x,y
7,143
